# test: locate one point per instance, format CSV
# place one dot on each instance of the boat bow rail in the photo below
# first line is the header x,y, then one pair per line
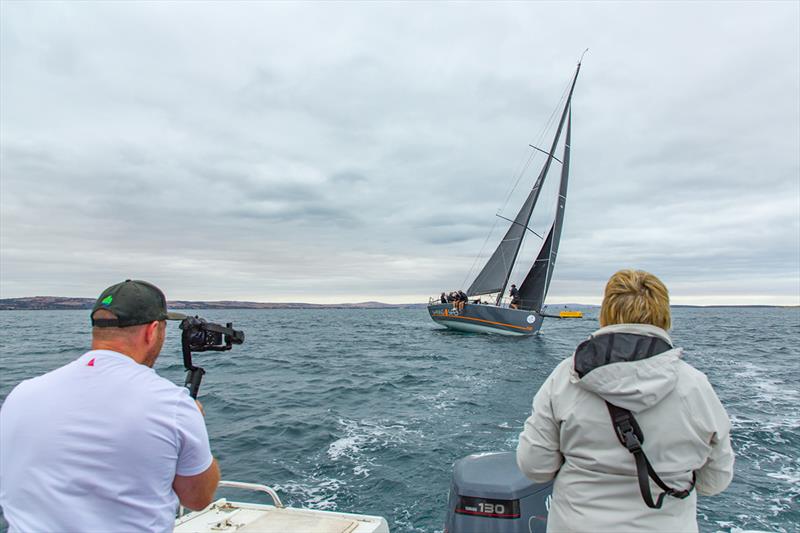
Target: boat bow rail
x,y
257,487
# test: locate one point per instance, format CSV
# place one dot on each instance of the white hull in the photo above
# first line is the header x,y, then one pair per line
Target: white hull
x,y
223,516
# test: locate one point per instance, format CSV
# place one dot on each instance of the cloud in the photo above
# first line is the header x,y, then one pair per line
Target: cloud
x,y
338,153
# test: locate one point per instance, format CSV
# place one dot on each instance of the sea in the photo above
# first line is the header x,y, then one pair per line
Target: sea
x,y
366,410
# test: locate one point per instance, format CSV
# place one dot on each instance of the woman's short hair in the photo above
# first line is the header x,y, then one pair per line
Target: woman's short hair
x,y
635,297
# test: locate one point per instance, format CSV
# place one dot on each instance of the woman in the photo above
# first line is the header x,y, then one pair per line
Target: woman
x,y
629,363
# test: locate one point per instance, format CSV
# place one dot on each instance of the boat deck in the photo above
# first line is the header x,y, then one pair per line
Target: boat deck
x,y
224,516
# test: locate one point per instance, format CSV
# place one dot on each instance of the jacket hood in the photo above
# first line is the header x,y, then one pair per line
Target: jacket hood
x,y
633,366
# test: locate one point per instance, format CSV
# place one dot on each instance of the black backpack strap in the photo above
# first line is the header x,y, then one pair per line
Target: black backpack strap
x,y
630,435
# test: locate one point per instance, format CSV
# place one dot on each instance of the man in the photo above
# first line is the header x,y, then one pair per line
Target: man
x,y
103,443
514,294
461,300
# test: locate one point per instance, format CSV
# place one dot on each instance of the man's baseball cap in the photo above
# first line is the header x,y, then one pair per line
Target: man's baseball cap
x,y
134,302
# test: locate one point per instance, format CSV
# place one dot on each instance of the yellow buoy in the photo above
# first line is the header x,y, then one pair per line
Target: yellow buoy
x,y
570,314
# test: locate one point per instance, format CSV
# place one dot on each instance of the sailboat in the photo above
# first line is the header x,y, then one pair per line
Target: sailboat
x,y
526,317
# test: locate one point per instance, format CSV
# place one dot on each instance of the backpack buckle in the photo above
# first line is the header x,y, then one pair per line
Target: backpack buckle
x,y
627,436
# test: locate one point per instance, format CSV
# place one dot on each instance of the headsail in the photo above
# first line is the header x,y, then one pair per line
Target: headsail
x,y
533,290
495,274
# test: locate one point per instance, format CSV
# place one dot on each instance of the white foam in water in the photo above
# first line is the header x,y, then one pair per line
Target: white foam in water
x,y
730,528
315,494
787,474
360,470
345,446
770,389
363,437
438,401
512,441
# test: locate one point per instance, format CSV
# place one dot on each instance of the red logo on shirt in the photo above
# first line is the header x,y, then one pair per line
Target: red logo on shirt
x,y
90,363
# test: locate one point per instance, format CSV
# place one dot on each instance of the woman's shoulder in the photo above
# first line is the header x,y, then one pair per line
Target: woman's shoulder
x,y
562,384
691,378
697,394
563,371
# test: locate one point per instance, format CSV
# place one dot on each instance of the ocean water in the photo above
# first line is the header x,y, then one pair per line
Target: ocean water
x,y
366,410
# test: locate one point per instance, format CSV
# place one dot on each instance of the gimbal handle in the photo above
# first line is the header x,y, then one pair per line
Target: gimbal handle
x,y
193,377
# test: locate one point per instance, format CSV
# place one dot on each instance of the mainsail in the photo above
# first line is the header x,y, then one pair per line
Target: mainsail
x,y
497,271
534,288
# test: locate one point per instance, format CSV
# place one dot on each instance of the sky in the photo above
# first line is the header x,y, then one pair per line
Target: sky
x,y
346,152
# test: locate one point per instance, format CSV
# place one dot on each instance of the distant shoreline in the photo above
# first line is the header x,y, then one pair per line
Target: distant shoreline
x,y
60,303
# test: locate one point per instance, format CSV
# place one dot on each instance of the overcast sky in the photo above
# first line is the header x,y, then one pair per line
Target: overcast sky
x,y
327,152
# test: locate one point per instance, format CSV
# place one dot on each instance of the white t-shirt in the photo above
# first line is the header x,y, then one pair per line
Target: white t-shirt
x,y
95,446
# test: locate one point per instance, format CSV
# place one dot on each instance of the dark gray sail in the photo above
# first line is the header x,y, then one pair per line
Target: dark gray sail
x,y
495,274
533,290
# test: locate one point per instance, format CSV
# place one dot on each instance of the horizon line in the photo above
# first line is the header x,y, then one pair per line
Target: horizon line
x,y
362,302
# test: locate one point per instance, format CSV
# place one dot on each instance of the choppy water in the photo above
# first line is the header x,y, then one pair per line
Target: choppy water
x,y
366,410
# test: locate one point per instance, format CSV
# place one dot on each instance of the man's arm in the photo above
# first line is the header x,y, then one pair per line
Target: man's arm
x,y
197,472
196,492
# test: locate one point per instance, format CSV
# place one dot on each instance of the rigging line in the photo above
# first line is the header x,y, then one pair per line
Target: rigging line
x,y
551,120
519,173
548,124
483,246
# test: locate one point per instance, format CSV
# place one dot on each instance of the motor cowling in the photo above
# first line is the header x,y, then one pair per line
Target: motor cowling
x,y
489,494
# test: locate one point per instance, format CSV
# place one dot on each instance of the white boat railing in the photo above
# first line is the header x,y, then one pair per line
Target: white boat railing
x,y
255,487
247,486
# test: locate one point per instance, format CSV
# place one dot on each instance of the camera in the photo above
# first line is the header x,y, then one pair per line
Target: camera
x,y
199,335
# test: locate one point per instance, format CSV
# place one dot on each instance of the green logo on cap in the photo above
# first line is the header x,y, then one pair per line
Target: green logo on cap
x,y
107,300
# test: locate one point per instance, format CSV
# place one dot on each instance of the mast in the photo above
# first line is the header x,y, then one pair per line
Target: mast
x,y
562,200
540,180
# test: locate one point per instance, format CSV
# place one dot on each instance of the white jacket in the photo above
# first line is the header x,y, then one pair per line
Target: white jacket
x,y
570,437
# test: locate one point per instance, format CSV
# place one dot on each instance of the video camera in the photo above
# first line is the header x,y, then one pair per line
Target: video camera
x,y
200,335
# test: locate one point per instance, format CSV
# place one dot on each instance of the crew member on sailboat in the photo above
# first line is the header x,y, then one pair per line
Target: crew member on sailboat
x,y
514,294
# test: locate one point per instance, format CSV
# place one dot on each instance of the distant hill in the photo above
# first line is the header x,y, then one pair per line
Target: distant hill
x,y
61,303
56,303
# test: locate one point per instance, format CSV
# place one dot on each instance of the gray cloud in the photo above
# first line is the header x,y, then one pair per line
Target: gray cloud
x,y
348,152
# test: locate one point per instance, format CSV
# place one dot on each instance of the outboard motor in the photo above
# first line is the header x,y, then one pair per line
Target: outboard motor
x,y
489,494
